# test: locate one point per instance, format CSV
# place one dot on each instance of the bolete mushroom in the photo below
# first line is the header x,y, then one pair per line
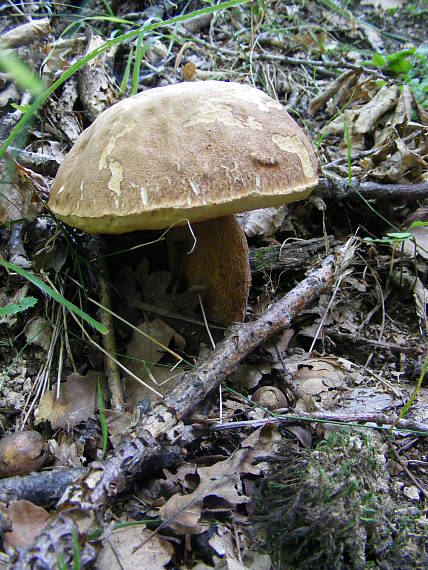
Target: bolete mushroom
x,y
184,154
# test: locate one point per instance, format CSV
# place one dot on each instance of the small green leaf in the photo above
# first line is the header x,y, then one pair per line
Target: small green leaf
x,y
378,60
400,66
400,236
21,305
419,224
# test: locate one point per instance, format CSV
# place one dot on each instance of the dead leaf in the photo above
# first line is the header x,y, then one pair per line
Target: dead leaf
x,y
161,378
183,512
77,402
320,375
39,332
262,443
369,114
27,521
246,375
142,352
348,78
134,548
264,222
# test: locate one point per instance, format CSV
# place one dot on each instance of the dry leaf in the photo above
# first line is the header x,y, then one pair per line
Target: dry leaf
x,y
77,402
127,549
27,521
264,222
183,512
161,378
320,375
246,375
142,352
39,332
262,443
369,114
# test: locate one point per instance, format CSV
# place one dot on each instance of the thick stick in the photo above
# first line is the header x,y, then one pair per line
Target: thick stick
x,y
143,453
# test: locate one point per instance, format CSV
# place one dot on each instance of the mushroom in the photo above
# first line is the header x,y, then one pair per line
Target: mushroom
x,y
190,154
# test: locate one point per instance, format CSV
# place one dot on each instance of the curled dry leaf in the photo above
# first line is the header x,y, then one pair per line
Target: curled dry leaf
x,y
347,78
77,402
369,114
183,512
26,520
320,375
21,453
264,222
134,548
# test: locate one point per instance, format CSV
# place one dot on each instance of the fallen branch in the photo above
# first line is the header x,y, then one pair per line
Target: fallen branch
x,y
142,454
43,489
293,254
373,421
340,190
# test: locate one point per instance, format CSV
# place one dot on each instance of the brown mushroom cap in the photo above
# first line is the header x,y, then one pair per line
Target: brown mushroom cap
x,y
191,151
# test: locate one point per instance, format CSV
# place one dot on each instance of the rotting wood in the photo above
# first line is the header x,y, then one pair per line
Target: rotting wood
x,y
340,190
141,454
293,254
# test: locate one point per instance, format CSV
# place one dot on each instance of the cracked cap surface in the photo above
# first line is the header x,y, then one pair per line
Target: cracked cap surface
x,y
192,151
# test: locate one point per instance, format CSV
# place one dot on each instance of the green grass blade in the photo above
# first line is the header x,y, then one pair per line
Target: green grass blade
x,y
54,295
20,73
33,108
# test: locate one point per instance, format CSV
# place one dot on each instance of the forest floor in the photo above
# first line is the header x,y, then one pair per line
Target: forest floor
x,y
313,451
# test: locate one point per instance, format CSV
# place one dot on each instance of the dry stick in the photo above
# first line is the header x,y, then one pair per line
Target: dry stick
x,y
143,453
340,190
359,420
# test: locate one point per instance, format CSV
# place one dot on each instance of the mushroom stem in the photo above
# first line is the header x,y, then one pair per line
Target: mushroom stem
x,y
217,263
109,342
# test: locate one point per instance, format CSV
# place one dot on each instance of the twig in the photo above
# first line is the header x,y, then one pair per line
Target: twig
x,y
318,63
355,419
88,499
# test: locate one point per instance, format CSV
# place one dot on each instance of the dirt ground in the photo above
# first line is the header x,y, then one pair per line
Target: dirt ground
x,y
314,449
